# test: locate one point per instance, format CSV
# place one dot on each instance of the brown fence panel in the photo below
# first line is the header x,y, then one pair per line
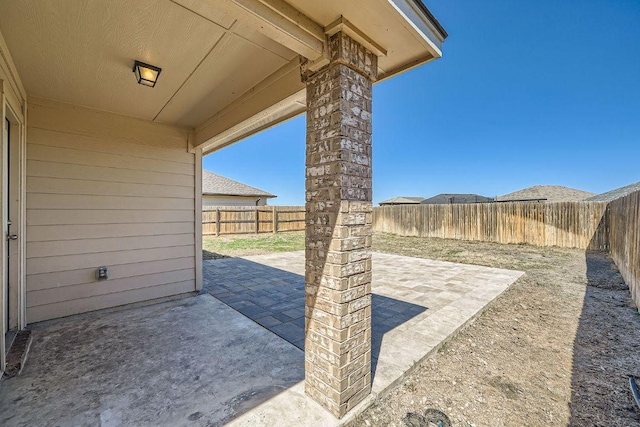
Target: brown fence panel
x,y
222,220
568,224
209,221
290,218
625,240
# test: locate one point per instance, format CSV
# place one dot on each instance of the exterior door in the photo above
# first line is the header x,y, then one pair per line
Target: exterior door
x,y
5,210
4,166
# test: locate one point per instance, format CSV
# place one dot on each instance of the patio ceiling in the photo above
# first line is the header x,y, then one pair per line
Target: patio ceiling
x,y
229,67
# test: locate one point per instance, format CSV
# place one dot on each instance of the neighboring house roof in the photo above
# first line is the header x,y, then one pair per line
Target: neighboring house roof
x,y
615,194
444,198
217,185
547,193
402,200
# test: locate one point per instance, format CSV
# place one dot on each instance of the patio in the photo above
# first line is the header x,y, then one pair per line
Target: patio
x,y
417,303
197,361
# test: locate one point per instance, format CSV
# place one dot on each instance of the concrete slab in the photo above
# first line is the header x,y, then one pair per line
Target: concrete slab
x,y
193,361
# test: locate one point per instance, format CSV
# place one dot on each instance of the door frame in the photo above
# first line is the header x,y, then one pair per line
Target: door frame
x,y
16,113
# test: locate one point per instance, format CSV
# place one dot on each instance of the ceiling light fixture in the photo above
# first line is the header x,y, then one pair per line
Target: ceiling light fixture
x,y
146,74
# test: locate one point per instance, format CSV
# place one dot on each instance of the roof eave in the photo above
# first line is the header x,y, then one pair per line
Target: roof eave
x,y
424,25
266,196
436,24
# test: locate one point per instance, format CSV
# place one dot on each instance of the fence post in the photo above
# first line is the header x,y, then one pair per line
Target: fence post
x,y
217,221
274,218
257,220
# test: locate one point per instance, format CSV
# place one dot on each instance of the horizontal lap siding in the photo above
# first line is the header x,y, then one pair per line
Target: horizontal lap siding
x,y
105,190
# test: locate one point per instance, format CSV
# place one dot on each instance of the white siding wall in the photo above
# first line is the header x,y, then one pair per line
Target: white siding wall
x,y
105,190
232,201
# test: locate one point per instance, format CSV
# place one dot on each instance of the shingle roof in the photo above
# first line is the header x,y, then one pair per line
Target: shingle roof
x,y
549,193
216,185
615,194
402,200
445,199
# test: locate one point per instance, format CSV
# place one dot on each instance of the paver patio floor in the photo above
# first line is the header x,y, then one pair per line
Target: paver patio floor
x,y
416,303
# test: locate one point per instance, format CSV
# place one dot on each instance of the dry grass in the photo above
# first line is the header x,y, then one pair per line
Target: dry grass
x,y
253,244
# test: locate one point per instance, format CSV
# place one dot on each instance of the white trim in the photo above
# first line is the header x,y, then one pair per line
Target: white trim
x,y
13,103
18,160
21,162
18,266
7,67
421,25
198,217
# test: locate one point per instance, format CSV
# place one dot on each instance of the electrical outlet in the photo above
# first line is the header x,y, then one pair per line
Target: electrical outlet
x,y
102,273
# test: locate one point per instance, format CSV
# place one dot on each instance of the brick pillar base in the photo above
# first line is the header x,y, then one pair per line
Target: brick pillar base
x,y
338,227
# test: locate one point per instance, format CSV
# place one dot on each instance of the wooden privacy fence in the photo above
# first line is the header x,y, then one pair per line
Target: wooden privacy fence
x,y
625,240
567,224
217,221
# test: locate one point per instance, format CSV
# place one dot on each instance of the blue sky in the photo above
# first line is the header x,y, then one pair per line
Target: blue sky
x,y
527,93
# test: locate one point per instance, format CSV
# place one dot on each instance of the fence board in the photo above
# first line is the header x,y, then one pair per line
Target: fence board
x,y
221,220
567,224
625,240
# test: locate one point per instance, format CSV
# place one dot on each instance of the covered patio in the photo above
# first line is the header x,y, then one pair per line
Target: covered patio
x,y
107,109
233,353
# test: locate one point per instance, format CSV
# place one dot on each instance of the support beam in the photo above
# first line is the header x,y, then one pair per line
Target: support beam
x,y
279,21
338,226
278,97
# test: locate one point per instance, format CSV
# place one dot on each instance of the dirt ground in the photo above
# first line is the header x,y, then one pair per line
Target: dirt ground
x,y
555,349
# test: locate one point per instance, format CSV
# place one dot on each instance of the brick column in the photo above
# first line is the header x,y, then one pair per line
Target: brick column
x,y
338,226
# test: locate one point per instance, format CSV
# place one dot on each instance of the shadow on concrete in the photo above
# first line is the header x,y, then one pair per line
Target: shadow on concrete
x,y
275,299
386,315
606,349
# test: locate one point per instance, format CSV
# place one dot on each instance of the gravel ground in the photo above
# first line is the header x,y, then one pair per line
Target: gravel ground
x,y
556,349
